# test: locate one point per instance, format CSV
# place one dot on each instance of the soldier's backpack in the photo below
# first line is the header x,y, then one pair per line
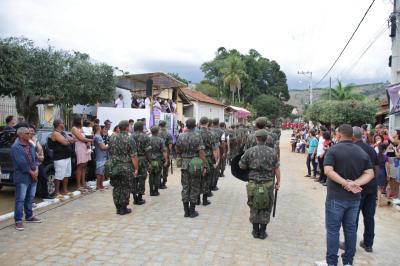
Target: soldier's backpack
x,y
259,193
195,167
111,169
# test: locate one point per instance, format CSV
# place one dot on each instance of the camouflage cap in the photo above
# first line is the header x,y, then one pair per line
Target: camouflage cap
x,y
123,124
261,133
138,126
162,123
204,120
215,121
261,122
191,123
154,129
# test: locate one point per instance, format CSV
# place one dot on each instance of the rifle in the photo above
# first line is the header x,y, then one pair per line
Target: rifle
x,y
275,199
172,167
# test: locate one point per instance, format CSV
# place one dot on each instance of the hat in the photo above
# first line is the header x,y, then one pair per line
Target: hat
x,y
261,133
154,130
191,123
138,126
107,122
204,120
215,121
162,123
123,124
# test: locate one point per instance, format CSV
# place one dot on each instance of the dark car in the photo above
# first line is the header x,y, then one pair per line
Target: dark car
x,y
8,137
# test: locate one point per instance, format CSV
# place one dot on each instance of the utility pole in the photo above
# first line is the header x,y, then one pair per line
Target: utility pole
x,y
395,59
308,74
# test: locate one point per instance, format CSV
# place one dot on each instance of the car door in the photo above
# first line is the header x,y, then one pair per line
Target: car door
x,y
7,138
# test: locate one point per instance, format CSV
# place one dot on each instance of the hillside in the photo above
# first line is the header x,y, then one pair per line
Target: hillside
x,y
299,98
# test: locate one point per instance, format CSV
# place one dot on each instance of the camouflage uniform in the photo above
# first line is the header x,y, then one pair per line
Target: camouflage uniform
x,y
122,148
233,144
143,146
188,146
261,161
210,144
217,132
167,137
157,150
224,157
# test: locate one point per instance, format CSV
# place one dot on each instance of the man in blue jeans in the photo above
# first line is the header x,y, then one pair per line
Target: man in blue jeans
x,y
347,167
25,162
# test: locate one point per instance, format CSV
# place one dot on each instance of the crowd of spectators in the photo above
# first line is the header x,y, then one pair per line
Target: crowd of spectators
x,y
162,105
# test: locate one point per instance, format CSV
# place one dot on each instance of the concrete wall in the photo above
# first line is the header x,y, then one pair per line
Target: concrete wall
x,y
201,109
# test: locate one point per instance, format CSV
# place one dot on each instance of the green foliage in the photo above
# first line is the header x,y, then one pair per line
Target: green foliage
x,y
342,93
352,112
178,77
233,70
258,75
35,75
207,88
271,107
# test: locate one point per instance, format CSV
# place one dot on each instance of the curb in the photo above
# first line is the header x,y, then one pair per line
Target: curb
x,y
46,203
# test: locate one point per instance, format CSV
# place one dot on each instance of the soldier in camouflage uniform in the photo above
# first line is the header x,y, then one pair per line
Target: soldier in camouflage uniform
x,y
167,137
263,166
158,155
211,150
251,141
222,126
220,138
124,158
144,156
188,146
233,148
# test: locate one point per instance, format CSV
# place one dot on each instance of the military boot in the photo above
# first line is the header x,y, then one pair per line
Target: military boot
x,y
186,209
152,191
118,207
205,201
124,210
197,201
192,210
163,184
138,200
210,194
263,233
156,193
256,230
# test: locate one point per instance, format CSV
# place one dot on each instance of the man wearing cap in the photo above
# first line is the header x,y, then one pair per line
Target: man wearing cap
x,y
251,140
158,153
189,146
211,150
220,138
225,138
143,150
263,166
167,137
124,159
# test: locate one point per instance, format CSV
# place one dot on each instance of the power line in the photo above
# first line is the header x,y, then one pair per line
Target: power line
x,y
377,35
351,37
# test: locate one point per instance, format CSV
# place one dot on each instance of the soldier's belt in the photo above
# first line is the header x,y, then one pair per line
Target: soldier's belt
x,y
261,180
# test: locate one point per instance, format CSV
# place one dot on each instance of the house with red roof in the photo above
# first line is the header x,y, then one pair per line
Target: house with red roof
x,y
202,105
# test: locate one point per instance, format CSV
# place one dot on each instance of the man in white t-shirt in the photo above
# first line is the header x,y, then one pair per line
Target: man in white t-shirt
x,y
119,102
147,103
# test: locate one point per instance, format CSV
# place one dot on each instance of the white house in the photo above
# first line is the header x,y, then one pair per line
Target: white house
x,y
202,105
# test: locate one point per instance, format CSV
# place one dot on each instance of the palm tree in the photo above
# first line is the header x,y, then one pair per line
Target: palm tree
x,y
232,73
341,93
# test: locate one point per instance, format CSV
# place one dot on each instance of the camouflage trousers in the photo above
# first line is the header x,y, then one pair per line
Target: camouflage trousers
x,y
164,174
139,182
122,187
260,216
155,177
215,175
205,181
223,165
190,187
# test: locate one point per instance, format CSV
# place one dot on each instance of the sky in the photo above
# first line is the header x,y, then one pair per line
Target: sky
x,y
179,35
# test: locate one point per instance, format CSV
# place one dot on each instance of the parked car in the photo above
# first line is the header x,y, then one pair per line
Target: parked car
x,y
7,138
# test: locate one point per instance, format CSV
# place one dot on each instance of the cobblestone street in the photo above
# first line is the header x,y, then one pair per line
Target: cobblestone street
x,y
87,231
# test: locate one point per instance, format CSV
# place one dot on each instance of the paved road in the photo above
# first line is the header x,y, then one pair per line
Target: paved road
x,y
88,232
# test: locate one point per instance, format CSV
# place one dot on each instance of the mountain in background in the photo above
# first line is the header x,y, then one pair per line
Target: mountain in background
x,y
298,98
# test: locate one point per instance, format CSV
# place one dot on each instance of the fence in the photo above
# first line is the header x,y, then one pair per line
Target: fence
x,y
7,107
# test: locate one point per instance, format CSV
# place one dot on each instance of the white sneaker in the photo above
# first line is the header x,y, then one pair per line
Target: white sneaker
x,y
320,263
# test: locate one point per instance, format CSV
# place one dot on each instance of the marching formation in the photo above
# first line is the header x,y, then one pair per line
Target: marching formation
x,y
203,150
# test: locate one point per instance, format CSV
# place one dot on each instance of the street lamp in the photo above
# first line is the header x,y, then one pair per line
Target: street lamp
x,y
308,74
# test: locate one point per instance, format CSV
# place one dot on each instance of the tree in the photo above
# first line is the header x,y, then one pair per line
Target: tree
x,y
335,112
342,93
36,75
232,72
178,77
271,107
207,88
